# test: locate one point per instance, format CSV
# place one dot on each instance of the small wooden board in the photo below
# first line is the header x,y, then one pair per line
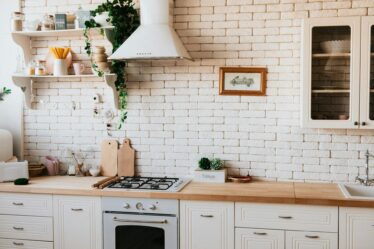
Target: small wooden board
x,y
126,159
109,153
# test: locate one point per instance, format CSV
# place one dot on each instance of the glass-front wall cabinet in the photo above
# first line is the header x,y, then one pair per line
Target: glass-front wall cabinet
x,y
330,87
367,74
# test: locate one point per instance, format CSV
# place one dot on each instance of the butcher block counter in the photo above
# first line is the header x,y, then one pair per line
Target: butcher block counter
x,y
258,191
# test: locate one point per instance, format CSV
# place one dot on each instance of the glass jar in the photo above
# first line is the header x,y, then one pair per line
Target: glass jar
x,y
30,69
40,69
48,23
17,21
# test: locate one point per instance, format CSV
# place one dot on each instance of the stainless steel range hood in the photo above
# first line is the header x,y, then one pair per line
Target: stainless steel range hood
x,y
155,38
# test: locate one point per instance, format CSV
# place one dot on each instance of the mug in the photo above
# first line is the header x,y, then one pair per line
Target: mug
x,y
78,68
60,67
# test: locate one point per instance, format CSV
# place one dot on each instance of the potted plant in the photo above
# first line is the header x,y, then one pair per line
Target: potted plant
x,y
125,19
210,171
5,91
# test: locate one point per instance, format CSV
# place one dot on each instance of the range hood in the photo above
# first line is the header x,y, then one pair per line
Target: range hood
x,y
155,38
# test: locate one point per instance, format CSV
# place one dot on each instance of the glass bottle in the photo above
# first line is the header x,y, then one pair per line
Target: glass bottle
x,y
48,23
17,21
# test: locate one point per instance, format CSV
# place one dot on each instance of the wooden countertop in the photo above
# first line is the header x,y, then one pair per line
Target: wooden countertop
x,y
260,191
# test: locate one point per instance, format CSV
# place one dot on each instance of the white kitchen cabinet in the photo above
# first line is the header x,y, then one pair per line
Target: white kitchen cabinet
x,y
77,222
331,78
246,238
367,74
356,228
206,225
311,240
338,84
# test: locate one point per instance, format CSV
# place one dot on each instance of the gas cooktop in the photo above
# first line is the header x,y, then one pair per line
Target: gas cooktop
x,y
150,184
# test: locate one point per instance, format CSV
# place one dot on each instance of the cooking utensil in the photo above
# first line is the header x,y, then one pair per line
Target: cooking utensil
x,y
126,159
109,154
96,185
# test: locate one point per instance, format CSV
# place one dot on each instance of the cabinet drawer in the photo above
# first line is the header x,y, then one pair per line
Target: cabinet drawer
x,y
246,238
288,217
26,227
24,244
307,240
26,204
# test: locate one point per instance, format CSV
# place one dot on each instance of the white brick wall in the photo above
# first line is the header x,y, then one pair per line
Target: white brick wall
x,y
175,113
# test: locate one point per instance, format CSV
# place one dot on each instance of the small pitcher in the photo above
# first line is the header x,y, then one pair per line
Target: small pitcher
x,y
60,67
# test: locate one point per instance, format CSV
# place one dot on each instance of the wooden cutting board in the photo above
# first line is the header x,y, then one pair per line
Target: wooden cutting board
x,y
109,154
126,159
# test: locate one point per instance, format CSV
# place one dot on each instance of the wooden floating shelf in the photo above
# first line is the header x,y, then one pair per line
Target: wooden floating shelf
x,y
26,82
56,77
57,33
331,91
331,55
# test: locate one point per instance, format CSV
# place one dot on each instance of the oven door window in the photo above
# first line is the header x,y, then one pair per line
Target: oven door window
x,y
139,237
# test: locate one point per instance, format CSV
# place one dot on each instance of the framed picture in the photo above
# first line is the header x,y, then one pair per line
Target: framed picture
x,y
249,81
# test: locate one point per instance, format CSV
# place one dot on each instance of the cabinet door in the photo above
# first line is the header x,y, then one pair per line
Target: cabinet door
x,y
246,238
311,240
207,225
356,228
367,74
77,222
331,73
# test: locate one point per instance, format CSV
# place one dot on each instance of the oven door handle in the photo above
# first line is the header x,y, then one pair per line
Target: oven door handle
x,y
141,221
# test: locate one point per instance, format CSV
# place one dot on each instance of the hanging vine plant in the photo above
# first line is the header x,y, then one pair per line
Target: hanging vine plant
x,y
125,20
5,91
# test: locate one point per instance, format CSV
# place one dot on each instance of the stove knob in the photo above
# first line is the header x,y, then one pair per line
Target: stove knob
x,y
126,205
152,207
139,206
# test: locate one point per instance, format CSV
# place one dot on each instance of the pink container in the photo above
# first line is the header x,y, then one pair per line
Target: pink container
x,y
52,164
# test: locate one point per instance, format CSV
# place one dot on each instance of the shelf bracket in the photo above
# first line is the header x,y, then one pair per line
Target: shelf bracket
x,y
110,80
24,43
25,84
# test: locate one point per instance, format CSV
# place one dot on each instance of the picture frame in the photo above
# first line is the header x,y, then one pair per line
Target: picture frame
x,y
246,81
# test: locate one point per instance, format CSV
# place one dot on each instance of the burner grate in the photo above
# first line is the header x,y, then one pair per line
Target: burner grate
x,y
150,183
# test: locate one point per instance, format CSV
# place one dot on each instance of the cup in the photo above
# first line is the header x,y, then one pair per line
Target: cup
x,y
60,67
78,68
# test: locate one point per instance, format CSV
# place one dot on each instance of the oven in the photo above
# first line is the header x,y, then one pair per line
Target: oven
x,y
140,223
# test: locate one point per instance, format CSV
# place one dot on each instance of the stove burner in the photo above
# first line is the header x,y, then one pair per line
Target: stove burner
x,y
152,183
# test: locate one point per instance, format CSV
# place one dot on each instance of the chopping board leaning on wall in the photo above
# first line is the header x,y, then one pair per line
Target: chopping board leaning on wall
x,y
126,159
109,154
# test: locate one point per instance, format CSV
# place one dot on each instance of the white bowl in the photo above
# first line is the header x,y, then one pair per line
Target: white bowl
x,y
336,46
102,19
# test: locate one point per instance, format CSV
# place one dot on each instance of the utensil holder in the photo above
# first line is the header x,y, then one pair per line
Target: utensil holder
x,y
60,67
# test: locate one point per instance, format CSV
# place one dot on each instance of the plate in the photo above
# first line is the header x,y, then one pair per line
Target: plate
x,y
49,61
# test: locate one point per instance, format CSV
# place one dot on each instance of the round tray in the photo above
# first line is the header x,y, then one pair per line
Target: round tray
x,y
240,179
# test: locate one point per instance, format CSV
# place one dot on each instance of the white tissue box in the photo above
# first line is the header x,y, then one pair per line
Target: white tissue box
x,y
217,176
12,171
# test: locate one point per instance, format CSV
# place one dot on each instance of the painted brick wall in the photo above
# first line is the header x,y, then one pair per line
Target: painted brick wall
x,y
175,113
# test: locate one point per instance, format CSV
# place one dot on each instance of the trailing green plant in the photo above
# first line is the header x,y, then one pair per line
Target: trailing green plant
x,y
5,91
125,20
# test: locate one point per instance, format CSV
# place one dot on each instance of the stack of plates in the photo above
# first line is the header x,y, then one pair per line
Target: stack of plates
x,y
336,46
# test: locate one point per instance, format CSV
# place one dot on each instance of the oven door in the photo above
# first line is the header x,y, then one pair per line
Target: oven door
x,y
139,231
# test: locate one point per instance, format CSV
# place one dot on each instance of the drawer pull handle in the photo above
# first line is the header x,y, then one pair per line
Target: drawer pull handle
x,y
312,236
257,233
77,209
18,243
285,217
206,215
18,228
17,203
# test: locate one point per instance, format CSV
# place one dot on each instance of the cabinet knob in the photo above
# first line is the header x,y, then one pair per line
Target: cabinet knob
x,y
76,209
363,123
206,215
285,217
18,243
257,233
356,123
312,236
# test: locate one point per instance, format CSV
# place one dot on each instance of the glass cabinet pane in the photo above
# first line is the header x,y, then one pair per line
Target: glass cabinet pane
x,y
371,108
331,73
